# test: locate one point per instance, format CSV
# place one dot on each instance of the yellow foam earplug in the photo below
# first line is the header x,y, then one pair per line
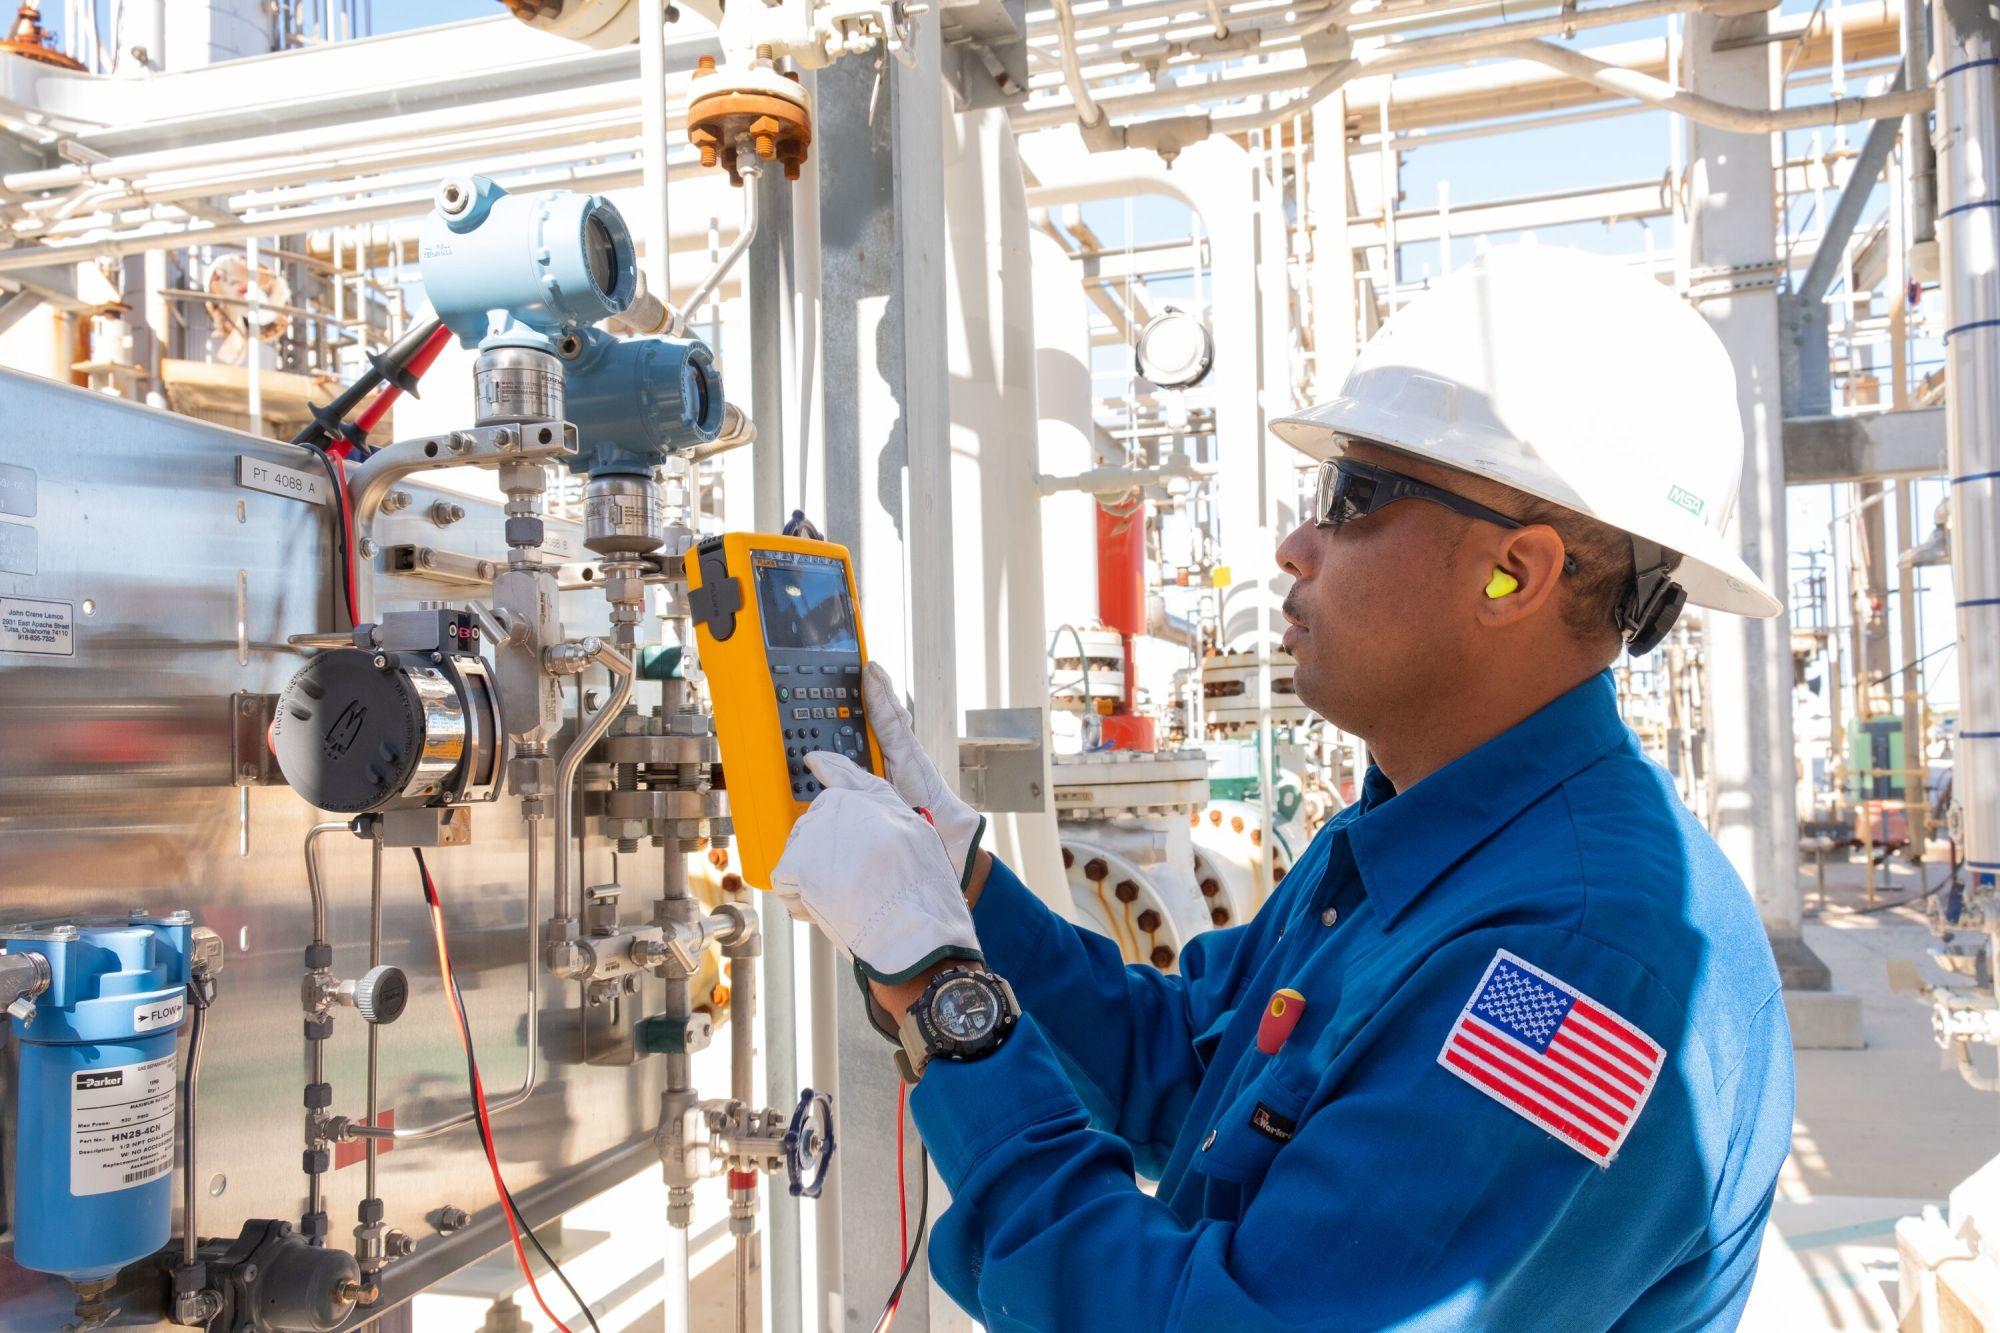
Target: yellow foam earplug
x,y
1501,583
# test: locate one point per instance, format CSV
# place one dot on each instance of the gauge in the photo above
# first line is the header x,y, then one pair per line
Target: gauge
x,y
1174,349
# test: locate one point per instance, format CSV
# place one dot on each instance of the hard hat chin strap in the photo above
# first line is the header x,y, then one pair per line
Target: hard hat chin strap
x,y
1652,602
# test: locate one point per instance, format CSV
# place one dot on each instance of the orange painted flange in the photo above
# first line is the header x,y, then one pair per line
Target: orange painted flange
x,y
779,130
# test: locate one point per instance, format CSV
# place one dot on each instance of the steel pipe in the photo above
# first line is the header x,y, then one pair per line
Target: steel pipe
x,y
1968,231
623,674
1919,157
1720,115
751,168
532,1076
653,138
1087,111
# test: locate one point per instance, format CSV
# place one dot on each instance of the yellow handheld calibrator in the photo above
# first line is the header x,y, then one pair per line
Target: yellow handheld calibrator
x,y
778,627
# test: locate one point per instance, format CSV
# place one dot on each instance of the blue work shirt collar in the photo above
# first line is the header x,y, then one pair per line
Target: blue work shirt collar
x,y
1404,842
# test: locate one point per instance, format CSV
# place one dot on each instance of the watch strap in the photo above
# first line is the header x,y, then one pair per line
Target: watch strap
x,y
912,1055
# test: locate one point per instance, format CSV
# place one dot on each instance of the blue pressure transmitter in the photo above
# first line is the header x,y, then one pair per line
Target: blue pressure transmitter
x,y
518,270
524,278
636,400
97,1097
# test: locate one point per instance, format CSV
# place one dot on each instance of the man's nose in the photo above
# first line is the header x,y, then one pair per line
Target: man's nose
x,y
1298,553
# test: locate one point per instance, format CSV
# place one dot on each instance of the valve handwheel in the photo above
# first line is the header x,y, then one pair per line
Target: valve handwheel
x,y
809,1144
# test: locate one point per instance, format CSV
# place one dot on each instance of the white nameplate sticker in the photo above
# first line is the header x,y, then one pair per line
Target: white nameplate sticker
x,y
30,625
165,1013
294,483
121,1126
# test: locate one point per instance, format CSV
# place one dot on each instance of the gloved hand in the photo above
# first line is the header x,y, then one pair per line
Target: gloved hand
x,y
869,871
916,777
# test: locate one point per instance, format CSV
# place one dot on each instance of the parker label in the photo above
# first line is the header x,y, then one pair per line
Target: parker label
x,y
121,1126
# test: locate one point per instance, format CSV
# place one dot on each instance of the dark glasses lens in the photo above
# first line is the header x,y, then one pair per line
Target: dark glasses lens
x,y
1344,494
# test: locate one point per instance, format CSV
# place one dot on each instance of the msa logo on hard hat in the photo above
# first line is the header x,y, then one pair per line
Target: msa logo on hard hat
x,y
1687,500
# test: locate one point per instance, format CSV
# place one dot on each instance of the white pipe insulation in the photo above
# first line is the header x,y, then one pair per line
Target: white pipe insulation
x,y
1968,230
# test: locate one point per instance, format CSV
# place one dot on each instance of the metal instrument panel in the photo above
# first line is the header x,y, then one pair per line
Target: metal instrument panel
x,y
182,582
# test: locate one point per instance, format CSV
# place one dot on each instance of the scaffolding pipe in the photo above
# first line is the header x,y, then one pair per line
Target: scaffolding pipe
x,y
1919,156
1706,111
1833,239
410,204
653,137
1087,110
1408,54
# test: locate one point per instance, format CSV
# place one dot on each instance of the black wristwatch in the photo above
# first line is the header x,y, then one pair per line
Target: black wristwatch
x,y
964,1014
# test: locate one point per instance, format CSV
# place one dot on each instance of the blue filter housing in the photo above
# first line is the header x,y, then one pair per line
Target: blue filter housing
x,y
97,1095
636,400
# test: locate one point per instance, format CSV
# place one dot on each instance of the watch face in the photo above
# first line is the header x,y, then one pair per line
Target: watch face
x,y
965,1010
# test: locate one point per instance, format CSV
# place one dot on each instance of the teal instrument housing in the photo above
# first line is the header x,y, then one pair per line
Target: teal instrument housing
x,y
633,401
519,270
97,1096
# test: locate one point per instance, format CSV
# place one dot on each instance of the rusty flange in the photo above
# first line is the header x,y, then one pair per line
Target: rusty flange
x,y
757,108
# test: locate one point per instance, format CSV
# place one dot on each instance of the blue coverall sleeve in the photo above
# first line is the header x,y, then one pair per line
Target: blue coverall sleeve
x,y
1131,1037
1404,1198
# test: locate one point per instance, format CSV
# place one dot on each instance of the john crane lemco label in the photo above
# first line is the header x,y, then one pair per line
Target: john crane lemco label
x,y
31,625
121,1126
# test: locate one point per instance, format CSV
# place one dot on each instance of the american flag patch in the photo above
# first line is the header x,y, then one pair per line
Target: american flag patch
x,y
1549,1053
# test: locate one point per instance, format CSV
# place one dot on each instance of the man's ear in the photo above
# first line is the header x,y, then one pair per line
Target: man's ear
x,y
1527,564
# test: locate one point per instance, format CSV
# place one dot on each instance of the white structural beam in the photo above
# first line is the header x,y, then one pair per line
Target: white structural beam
x,y
1865,446
884,470
1732,255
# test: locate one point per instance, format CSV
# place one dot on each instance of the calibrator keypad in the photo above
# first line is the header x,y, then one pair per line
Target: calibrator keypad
x,y
819,708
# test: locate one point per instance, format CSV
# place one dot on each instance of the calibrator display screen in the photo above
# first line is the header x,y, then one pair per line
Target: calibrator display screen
x,y
804,604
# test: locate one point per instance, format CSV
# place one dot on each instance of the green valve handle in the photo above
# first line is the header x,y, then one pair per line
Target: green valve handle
x,y
661,662
661,1035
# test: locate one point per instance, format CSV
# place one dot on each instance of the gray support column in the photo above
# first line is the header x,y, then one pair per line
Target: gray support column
x,y
1967,74
770,277
1732,264
1001,643
1335,320
888,498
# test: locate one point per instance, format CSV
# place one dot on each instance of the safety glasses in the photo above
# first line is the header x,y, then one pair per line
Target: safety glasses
x,y
1349,489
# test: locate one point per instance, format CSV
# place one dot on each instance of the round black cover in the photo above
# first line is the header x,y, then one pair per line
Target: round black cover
x,y
349,734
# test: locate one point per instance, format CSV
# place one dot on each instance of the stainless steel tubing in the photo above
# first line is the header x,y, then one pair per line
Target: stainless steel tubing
x,y
373,1147
415,1133
751,167
313,835
743,1282
600,722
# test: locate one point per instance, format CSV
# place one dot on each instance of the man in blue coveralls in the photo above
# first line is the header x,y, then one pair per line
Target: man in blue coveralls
x,y
1507,1048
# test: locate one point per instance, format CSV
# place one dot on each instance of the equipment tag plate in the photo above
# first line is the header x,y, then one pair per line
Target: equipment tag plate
x,y
121,1126
294,483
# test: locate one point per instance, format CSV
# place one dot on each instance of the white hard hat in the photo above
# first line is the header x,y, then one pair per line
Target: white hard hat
x,y
1572,378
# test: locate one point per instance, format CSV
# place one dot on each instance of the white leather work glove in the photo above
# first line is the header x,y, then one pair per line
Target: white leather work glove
x,y
917,779
873,874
